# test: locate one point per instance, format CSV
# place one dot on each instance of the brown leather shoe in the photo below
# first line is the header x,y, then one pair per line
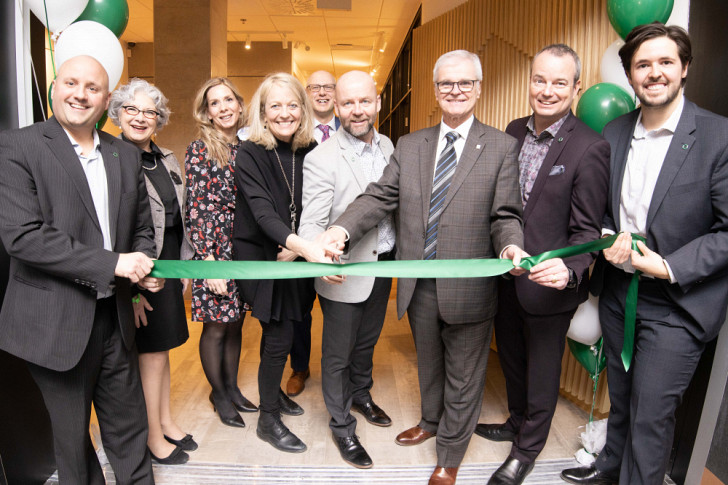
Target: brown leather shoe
x,y
443,476
413,436
297,382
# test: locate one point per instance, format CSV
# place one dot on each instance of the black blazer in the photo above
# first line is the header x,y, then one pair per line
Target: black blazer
x,y
49,227
565,207
687,222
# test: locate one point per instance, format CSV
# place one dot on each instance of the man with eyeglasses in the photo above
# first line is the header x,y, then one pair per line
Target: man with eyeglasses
x,y
453,189
564,173
320,89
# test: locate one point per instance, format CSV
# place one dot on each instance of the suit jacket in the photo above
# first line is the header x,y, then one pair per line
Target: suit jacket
x,y
687,221
565,207
51,232
157,206
481,214
332,178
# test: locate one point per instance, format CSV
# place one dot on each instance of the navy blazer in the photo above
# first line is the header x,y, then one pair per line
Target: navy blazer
x,y
687,222
565,208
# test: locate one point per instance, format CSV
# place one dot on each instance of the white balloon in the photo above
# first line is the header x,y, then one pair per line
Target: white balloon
x,y
611,68
60,12
87,38
585,327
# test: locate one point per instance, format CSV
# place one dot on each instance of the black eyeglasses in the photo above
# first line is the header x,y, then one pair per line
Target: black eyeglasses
x,y
133,111
465,86
317,87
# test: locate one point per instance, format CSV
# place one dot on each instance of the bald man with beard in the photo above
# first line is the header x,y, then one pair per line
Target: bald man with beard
x,y
334,174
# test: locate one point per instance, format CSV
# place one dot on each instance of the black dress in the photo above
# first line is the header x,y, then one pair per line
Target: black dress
x,y
167,323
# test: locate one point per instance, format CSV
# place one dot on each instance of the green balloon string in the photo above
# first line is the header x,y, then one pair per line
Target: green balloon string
x,y
442,268
50,44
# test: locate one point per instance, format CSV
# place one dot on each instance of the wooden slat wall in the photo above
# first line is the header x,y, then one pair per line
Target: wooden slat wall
x,y
506,34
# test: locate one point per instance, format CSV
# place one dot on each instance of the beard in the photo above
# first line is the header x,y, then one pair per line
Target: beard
x,y
361,131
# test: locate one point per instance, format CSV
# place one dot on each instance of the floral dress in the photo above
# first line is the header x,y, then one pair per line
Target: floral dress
x,y
209,223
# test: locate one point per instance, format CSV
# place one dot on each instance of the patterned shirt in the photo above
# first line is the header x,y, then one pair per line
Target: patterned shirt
x,y
372,162
533,152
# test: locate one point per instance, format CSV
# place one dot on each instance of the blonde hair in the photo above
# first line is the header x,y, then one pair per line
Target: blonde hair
x,y
259,132
217,145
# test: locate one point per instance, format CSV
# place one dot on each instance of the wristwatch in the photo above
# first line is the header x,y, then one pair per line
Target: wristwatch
x,y
573,281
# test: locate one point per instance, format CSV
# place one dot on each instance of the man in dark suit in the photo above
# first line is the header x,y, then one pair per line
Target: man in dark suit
x,y
320,90
669,183
77,226
474,211
564,175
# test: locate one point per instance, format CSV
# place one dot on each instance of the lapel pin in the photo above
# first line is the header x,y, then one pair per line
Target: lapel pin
x,y
561,138
685,146
477,147
116,154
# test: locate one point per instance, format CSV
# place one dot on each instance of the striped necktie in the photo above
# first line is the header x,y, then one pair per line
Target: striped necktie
x,y
444,171
325,129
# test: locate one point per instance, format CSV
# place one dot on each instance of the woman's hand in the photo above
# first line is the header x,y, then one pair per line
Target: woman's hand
x,y
285,254
140,316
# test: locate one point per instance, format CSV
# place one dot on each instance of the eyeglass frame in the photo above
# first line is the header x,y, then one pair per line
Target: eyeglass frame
x,y
439,85
328,88
144,112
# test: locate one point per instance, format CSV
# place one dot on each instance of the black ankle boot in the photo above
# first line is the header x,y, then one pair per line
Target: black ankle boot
x,y
272,430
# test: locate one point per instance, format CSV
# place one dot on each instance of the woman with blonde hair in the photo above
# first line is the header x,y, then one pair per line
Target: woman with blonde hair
x,y
210,168
140,110
269,177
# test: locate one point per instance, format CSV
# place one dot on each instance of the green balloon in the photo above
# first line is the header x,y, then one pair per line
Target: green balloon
x,y
102,121
50,97
589,356
625,15
113,14
601,103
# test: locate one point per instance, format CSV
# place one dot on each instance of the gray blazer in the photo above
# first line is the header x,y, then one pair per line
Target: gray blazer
x,y
157,206
481,215
49,227
332,178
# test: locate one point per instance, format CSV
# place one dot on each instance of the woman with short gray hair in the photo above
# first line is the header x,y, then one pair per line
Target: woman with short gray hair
x,y
140,110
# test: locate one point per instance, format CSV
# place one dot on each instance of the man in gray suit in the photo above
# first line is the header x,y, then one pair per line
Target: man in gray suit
x,y
454,192
669,183
77,226
333,175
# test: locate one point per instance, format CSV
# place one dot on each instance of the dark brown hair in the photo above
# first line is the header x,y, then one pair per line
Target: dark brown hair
x,y
643,33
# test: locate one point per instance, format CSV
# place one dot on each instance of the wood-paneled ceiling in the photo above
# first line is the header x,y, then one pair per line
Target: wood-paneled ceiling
x,y
366,37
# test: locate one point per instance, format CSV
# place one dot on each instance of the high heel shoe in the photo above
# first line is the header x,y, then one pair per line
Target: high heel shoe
x,y
245,406
234,421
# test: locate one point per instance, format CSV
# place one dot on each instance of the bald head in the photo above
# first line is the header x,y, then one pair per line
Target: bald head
x,y
357,103
80,94
320,90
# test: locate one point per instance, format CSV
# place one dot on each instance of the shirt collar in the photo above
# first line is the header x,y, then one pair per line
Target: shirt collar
x,y
77,146
463,129
551,130
330,123
359,145
670,125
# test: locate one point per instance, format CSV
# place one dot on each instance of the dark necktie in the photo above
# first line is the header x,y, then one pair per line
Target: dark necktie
x,y
444,171
325,129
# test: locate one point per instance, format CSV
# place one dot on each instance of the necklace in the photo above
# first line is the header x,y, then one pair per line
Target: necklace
x,y
150,168
291,187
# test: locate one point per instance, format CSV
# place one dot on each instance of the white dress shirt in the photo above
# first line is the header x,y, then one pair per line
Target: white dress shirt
x,y
462,130
318,134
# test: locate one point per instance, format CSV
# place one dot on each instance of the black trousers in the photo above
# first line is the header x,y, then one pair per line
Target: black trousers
x,y
275,344
643,401
301,349
530,348
451,363
351,330
108,375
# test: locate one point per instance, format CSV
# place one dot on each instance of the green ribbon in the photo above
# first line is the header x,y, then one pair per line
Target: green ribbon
x,y
442,268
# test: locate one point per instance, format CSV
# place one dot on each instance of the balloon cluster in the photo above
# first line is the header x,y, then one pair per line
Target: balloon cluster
x,y
614,96
86,27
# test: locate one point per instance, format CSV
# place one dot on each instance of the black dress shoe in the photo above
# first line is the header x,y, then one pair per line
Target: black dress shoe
x,y
177,457
588,475
245,406
495,432
272,430
287,405
372,413
186,443
353,452
235,421
511,472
